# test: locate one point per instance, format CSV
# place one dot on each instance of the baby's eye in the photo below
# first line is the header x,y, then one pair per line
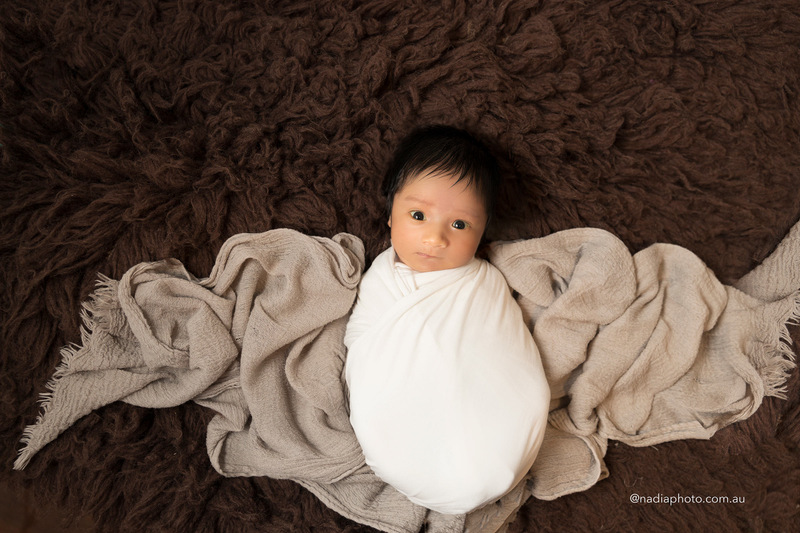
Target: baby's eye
x,y
417,215
460,224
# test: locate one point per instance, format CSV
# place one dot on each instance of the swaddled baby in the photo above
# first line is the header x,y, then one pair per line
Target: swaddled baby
x,y
448,398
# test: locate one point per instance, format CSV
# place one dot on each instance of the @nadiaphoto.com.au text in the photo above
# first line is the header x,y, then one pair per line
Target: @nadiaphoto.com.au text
x,y
671,500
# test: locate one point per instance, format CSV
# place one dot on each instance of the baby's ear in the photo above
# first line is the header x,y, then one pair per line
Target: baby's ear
x,y
389,222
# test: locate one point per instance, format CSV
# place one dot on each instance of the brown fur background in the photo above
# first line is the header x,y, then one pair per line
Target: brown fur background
x,y
139,130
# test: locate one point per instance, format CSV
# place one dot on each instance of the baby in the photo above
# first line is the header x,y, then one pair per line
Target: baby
x,y
447,393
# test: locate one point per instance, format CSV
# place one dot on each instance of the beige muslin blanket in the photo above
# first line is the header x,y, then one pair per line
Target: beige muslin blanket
x,y
642,349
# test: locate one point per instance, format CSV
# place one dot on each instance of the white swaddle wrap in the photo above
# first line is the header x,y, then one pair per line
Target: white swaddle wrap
x,y
448,397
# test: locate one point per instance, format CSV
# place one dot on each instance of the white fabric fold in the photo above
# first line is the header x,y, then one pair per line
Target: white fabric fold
x,y
447,394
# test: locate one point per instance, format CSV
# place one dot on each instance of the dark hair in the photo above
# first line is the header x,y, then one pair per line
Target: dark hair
x,y
448,149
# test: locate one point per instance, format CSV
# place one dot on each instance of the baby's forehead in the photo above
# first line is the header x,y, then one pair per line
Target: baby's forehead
x,y
459,179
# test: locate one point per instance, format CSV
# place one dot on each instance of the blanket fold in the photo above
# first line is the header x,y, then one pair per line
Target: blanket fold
x,y
640,348
644,349
159,338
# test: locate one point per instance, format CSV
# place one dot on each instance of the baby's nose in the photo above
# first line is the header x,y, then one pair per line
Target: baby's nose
x,y
435,237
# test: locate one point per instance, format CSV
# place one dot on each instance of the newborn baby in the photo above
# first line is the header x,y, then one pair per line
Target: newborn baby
x,y
448,398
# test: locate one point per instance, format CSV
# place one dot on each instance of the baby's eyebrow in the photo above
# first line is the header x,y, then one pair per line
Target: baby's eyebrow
x,y
417,200
424,202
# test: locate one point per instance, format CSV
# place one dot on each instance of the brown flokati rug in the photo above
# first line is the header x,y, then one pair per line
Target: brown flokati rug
x,y
134,131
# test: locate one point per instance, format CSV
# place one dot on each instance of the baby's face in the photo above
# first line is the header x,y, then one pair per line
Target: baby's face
x,y
436,223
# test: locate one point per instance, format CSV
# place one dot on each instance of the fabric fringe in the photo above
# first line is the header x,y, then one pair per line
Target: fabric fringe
x,y
94,317
779,357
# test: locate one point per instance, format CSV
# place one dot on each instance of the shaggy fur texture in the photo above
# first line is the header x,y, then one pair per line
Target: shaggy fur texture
x,y
138,130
